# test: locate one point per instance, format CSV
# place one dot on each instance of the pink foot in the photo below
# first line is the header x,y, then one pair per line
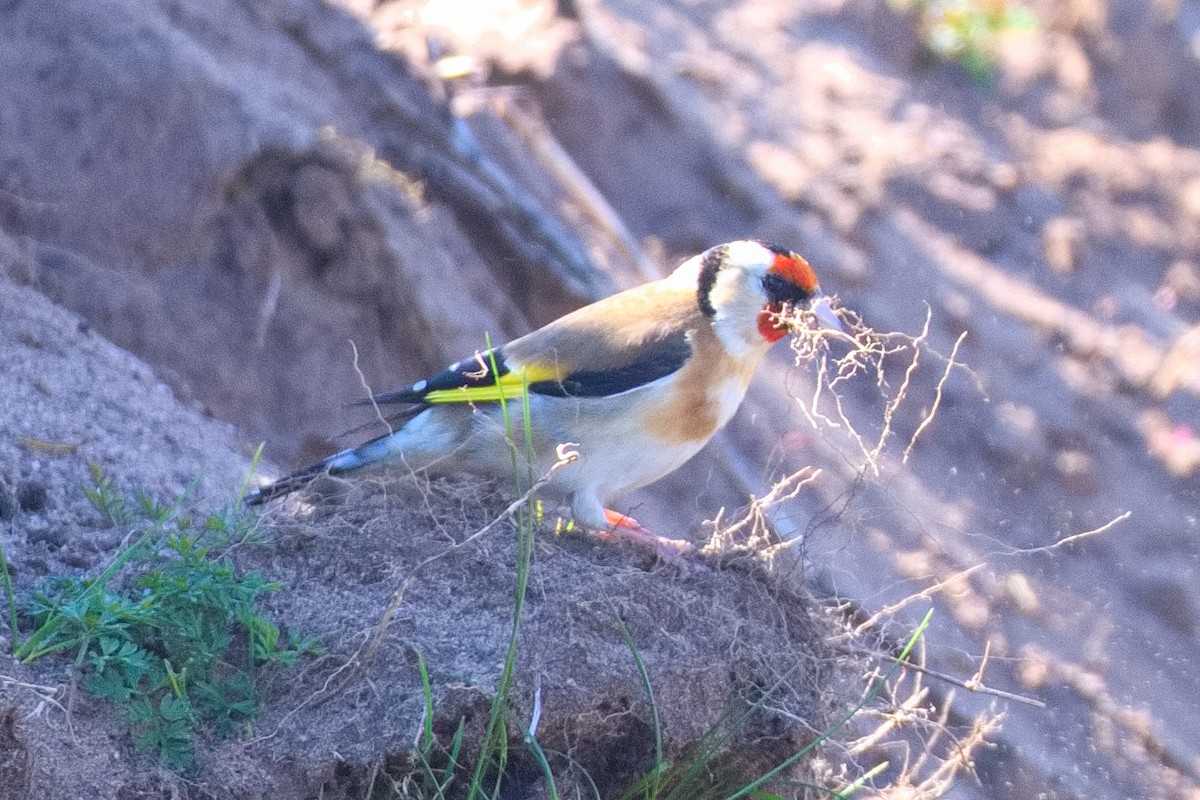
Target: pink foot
x,y
622,527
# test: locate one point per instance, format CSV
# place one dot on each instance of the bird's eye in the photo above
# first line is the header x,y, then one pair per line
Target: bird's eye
x,y
780,290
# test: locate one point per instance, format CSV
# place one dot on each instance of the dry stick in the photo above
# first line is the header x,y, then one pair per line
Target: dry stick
x,y
924,594
1075,537
974,685
362,379
937,398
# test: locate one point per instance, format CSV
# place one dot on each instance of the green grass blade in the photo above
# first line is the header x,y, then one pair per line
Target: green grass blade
x,y
539,755
427,740
11,598
858,784
494,750
648,689
241,497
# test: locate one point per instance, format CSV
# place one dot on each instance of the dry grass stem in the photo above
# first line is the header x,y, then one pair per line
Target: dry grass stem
x,y
924,594
348,668
1075,537
892,719
913,729
362,379
753,527
951,362
869,354
47,697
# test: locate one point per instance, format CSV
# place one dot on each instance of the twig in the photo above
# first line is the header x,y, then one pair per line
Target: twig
x,y
362,379
924,594
1075,537
973,685
937,397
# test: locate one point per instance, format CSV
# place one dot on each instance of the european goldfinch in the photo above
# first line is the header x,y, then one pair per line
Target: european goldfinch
x,y
635,384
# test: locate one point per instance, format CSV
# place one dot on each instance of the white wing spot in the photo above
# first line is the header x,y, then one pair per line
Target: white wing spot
x,y
419,386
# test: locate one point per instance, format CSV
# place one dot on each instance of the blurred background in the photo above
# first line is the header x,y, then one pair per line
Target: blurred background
x,y
238,192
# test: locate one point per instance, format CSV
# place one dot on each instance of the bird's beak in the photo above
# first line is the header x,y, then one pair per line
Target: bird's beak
x,y
823,311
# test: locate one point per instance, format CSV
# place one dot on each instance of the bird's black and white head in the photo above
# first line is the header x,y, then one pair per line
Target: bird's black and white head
x,y
747,288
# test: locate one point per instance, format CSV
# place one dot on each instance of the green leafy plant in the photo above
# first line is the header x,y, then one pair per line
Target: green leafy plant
x,y
106,498
169,631
967,31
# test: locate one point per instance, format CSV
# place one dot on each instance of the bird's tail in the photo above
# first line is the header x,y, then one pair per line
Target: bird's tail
x,y
346,461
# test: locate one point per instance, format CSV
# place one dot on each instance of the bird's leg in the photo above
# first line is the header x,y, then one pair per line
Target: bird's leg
x,y
625,528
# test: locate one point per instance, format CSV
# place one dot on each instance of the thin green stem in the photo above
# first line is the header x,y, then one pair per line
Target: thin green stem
x,y
10,597
494,751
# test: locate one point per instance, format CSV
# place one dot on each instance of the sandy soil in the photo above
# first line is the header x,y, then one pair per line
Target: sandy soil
x,y
300,187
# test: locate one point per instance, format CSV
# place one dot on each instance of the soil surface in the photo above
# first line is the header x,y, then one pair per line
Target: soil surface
x,y
235,192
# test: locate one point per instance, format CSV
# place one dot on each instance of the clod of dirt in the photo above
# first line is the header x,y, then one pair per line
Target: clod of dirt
x,y
15,760
32,497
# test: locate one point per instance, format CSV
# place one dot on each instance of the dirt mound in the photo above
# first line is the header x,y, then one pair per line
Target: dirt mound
x,y
709,638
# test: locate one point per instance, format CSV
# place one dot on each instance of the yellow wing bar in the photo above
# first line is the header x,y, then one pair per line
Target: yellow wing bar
x,y
509,386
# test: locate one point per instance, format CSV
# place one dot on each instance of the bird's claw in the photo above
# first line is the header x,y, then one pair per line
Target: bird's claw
x,y
622,527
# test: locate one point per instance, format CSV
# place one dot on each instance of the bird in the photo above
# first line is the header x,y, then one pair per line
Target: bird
x,y
633,385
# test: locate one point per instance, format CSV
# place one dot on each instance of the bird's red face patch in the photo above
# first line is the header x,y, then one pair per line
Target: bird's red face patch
x,y
770,323
794,269
789,281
